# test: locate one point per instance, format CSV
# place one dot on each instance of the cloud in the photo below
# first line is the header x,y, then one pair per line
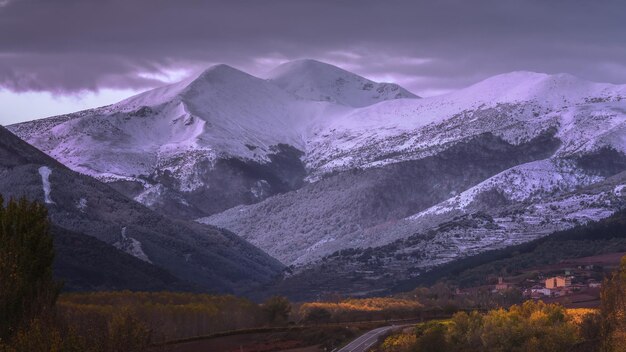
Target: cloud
x,y
68,46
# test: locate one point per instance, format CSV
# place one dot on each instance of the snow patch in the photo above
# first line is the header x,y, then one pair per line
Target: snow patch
x,y
131,246
260,189
81,205
45,173
151,195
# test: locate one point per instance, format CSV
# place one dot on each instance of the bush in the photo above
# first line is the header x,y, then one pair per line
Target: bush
x,y
399,343
317,315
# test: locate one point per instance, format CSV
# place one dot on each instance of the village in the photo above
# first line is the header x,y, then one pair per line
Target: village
x,y
573,283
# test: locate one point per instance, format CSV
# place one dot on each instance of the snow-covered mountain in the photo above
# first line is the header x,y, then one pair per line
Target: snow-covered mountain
x,y
205,144
312,160
523,136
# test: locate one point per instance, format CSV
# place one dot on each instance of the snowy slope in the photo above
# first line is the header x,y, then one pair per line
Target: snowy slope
x,y
219,112
470,231
515,106
226,112
368,271
169,144
314,80
527,182
587,119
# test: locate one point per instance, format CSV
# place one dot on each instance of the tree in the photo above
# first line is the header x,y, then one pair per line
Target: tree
x,y
27,289
591,327
277,309
613,310
431,337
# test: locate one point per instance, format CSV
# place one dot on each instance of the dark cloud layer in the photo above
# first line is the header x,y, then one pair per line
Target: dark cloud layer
x,y
65,46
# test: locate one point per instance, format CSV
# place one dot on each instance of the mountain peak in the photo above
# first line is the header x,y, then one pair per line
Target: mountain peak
x,y
206,82
531,77
552,89
316,80
216,75
219,71
304,66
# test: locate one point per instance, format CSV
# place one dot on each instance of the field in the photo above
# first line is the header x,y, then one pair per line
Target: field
x,y
311,339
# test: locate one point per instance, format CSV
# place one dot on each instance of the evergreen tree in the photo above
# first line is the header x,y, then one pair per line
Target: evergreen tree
x,y
27,289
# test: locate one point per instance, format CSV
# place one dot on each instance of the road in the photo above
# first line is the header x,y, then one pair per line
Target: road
x,y
365,341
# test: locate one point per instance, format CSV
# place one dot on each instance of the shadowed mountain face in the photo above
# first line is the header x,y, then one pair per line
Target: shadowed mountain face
x,y
79,205
84,263
313,161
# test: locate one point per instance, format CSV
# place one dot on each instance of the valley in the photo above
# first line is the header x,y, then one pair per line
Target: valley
x,y
312,176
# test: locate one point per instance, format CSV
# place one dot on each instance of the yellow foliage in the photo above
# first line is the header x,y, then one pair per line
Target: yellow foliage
x,y
531,326
398,343
577,314
365,305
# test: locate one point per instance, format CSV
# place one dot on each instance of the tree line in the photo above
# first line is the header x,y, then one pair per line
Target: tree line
x,y
527,327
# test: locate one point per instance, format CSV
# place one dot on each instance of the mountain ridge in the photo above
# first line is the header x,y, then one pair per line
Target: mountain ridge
x,y
315,80
305,177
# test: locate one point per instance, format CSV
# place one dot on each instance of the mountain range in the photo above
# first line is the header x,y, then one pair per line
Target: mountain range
x,y
351,184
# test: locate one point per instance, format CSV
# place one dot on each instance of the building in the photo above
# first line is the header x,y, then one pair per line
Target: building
x,y
538,291
594,284
501,285
558,281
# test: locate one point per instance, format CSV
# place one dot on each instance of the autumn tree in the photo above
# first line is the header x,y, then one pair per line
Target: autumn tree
x,y
431,337
277,309
613,310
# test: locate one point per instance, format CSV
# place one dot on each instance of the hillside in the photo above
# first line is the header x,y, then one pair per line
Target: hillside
x,y
171,251
605,236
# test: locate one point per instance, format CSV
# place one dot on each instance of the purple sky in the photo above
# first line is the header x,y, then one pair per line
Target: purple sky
x,y
63,55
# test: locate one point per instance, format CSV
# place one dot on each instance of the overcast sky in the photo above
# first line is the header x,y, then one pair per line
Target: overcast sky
x,y
64,55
